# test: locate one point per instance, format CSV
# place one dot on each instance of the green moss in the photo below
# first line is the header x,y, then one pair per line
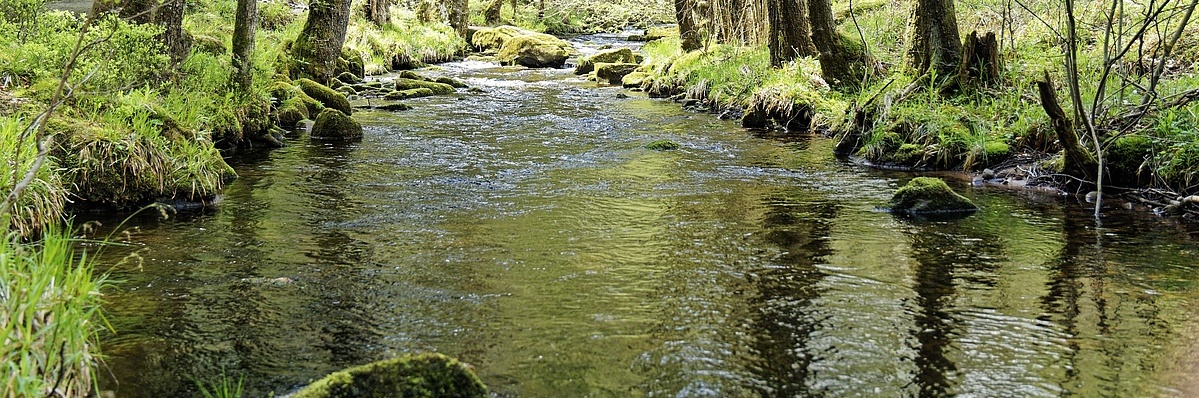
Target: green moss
x,y
451,81
1126,156
417,376
210,45
409,93
437,88
997,151
621,55
634,80
662,145
325,95
332,124
928,195
613,73
534,51
290,114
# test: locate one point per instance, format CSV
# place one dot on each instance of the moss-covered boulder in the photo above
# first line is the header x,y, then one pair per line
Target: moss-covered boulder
x,y
929,196
394,106
409,93
291,112
534,52
635,79
348,78
494,39
327,96
331,124
424,375
613,73
621,55
209,44
437,88
451,81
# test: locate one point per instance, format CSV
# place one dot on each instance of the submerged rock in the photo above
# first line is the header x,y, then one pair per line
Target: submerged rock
x,y
622,55
662,145
928,195
332,124
423,375
409,93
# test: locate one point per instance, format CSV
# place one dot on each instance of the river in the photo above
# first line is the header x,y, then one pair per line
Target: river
x,y
526,230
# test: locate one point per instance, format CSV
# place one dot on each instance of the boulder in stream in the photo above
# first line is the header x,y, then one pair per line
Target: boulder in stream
x,y
403,83
613,72
327,96
534,52
930,196
333,125
409,93
620,55
422,375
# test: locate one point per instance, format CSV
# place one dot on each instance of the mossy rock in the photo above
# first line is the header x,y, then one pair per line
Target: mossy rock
x,y
613,73
334,125
1125,156
395,106
290,114
281,91
451,81
423,375
494,39
756,118
407,74
327,96
662,145
534,52
437,88
635,80
621,55
210,45
929,196
348,78
409,93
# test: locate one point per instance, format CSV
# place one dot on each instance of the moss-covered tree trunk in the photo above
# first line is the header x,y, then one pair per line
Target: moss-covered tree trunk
x,y
378,11
790,35
933,38
1079,161
685,16
245,24
491,15
843,61
459,16
168,15
318,47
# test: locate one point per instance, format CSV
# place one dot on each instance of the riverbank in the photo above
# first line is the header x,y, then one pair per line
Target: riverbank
x,y
997,131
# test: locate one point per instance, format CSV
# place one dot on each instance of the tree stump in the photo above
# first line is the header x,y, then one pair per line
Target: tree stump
x,y
980,60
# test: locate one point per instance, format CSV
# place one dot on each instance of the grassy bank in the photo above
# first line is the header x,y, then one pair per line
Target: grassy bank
x,y
49,315
911,124
136,128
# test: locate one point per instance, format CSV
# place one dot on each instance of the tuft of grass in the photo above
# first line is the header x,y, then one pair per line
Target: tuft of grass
x,y
49,318
222,387
42,202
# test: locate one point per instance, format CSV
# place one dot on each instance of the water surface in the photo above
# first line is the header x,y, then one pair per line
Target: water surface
x,y
526,231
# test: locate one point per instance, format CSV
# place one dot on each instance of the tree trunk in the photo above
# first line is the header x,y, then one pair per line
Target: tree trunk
x,y
245,23
684,15
541,9
1079,161
378,11
933,34
843,61
318,47
514,7
491,15
168,15
459,16
790,35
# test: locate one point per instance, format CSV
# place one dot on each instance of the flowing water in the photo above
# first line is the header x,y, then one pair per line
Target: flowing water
x,y
526,230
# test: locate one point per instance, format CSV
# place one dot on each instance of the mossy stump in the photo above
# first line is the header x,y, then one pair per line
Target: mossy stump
x,y
333,125
423,375
930,196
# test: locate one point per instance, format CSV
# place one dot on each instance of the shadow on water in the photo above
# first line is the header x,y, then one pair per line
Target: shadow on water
x,y
527,231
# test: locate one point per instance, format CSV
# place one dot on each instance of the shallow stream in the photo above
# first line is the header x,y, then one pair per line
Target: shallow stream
x,y
526,230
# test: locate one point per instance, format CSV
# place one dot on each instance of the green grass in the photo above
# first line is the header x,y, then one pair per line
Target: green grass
x,y
405,36
42,202
49,317
223,387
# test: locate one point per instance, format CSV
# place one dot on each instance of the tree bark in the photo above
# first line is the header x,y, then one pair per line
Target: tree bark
x,y
790,35
378,11
980,60
933,34
459,16
168,15
491,15
245,24
843,61
685,16
318,47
